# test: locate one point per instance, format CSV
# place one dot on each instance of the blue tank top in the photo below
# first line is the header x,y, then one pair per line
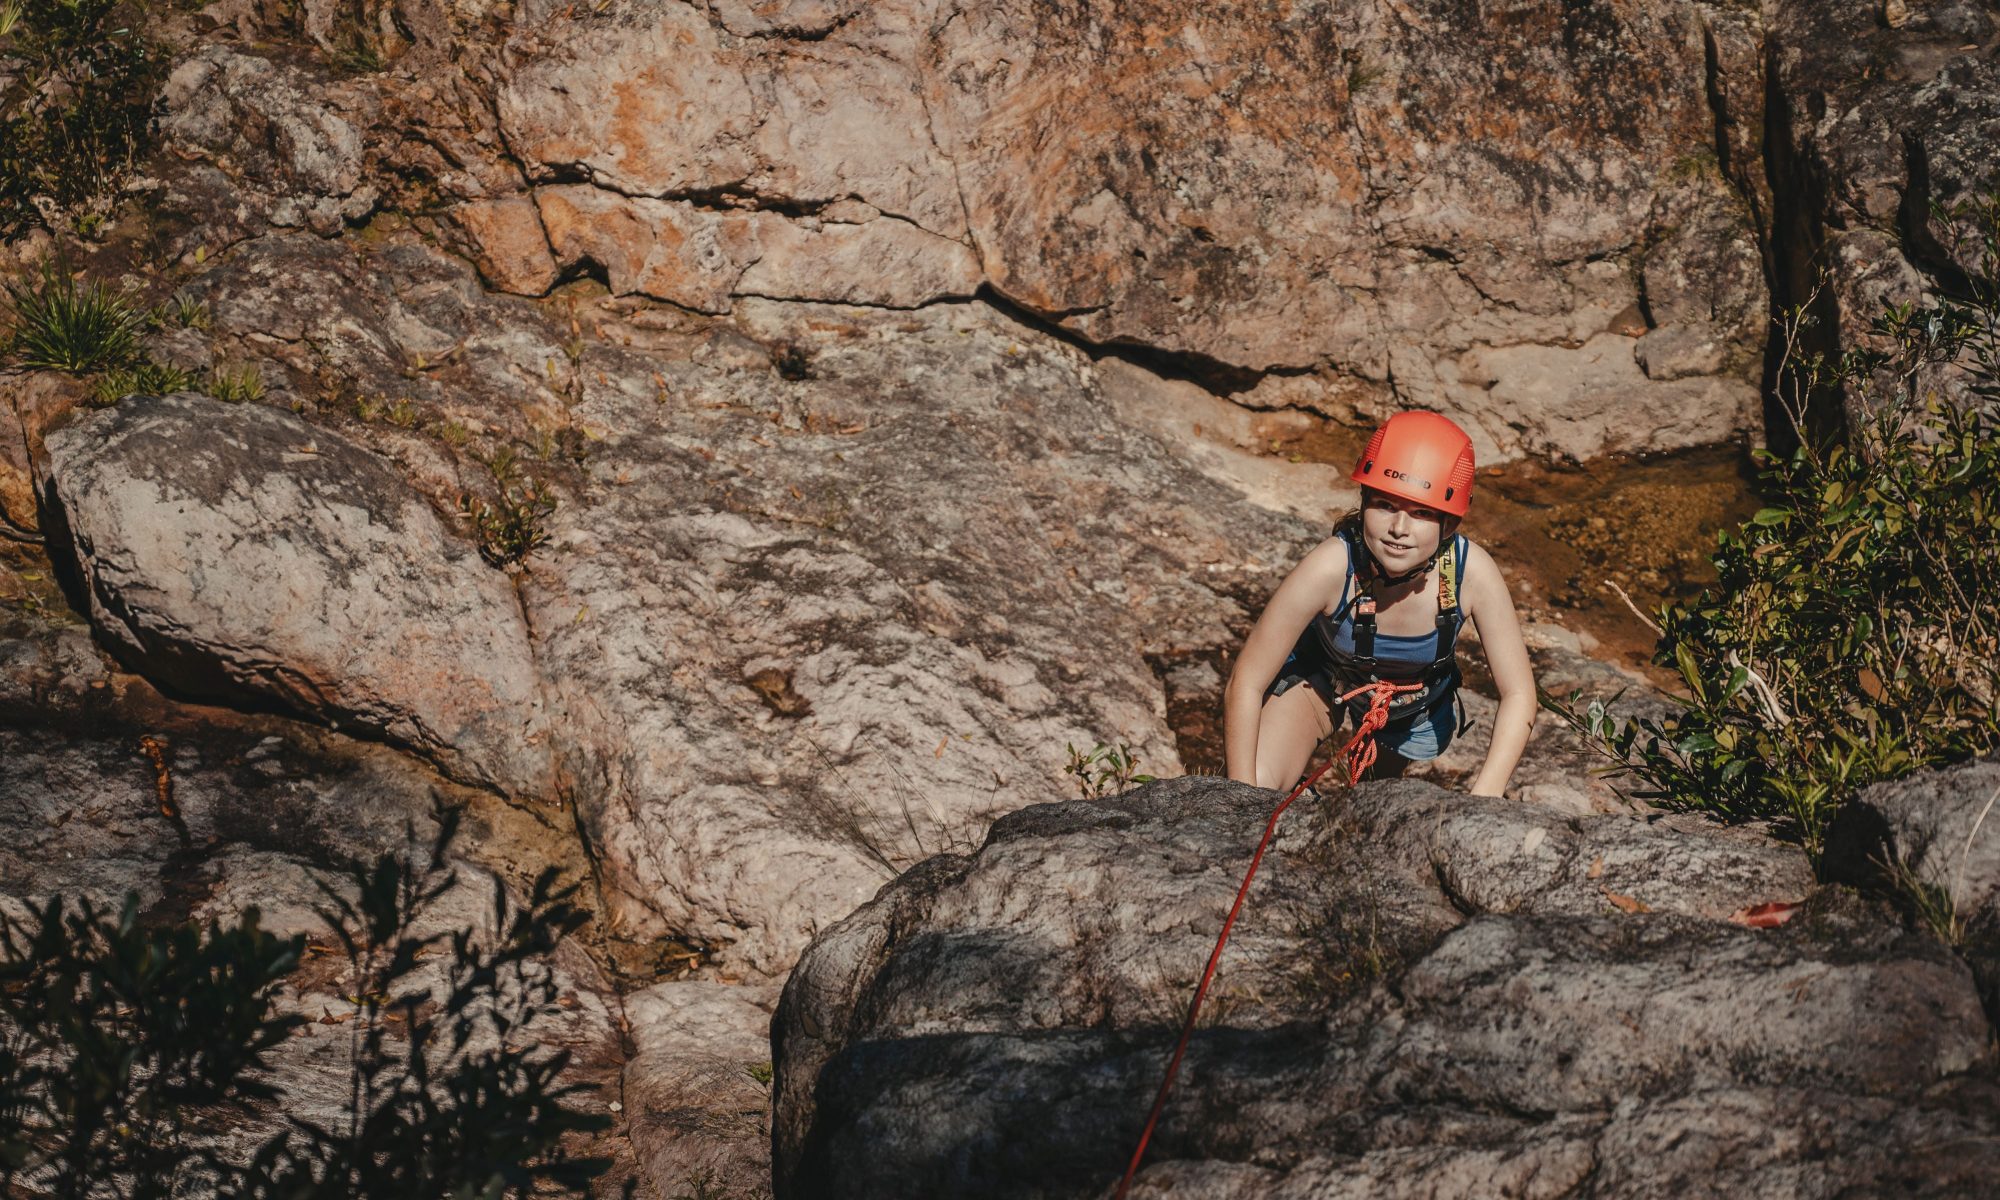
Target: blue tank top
x,y
1397,656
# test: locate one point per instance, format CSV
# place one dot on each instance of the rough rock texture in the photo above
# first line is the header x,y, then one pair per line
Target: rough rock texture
x,y
238,551
1873,122
1270,187
1428,995
941,560
1544,247
297,139
697,1088
802,558
1934,838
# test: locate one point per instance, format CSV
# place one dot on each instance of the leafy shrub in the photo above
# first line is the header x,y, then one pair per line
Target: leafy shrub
x,y
76,107
124,1051
511,527
1852,635
118,1043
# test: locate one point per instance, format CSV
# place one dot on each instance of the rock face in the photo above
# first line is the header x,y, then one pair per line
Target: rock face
x,y
1933,839
235,550
1429,994
784,603
1544,246
1265,187
1877,125
803,556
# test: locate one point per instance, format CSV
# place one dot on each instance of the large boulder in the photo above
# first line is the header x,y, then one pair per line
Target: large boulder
x,y
1428,994
238,552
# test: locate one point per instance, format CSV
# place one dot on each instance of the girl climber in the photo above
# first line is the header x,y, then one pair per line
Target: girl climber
x,y
1383,598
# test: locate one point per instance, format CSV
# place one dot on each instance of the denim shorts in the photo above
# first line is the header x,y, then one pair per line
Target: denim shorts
x,y
1426,737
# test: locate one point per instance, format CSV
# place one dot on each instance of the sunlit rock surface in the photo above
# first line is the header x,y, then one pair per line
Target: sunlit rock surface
x,y
237,552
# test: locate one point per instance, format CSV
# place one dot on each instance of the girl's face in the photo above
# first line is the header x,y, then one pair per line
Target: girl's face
x,y
1400,533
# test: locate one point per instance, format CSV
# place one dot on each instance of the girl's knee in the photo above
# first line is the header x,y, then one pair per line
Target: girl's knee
x,y
1269,776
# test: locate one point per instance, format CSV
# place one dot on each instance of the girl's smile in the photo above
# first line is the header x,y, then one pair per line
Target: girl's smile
x,y
1398,532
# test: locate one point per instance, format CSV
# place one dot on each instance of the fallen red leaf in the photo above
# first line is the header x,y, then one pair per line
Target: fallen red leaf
x,y
1765,916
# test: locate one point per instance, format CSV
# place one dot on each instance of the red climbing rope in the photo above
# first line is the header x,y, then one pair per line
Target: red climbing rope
x,y
1359,755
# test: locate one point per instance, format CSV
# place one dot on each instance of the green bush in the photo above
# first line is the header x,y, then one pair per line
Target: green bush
x,y
143,379
125,1051
119,1044
236,383
77,106
1853,633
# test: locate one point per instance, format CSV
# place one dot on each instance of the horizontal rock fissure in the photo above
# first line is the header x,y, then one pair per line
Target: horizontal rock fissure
x,y
1210,374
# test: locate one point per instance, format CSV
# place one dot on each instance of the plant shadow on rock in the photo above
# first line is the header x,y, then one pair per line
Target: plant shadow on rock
x,y
130,1058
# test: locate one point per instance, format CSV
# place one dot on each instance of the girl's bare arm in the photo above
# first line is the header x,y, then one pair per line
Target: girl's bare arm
x,y
1319,575
1491,609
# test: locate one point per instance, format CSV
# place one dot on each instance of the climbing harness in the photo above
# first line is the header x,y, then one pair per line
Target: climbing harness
x,y
1440,679
1359,755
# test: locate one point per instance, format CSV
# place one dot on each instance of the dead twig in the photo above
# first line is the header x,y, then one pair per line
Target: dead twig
x,y
1650,624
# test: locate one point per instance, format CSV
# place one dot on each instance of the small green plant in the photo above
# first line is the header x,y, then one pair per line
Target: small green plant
x,y
236,383
453,434
186,312
761,1072
366,409
1362,75
402,413
1852,635
1932,906
512,526
61,324
1104,771
146,378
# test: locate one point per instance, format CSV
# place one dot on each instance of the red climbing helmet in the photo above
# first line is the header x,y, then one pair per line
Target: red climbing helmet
x,y
1420,456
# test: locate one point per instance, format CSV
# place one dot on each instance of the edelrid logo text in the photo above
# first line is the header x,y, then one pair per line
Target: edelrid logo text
x,y
1393,473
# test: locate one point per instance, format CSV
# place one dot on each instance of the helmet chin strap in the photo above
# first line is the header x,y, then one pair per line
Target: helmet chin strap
x,y
1375,566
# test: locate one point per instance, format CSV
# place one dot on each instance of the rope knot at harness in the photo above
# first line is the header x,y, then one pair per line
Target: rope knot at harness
x,y
1360,752
1359,755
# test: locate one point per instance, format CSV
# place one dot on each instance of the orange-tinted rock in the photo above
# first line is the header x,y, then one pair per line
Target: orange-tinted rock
x,y
508,244
1367,197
